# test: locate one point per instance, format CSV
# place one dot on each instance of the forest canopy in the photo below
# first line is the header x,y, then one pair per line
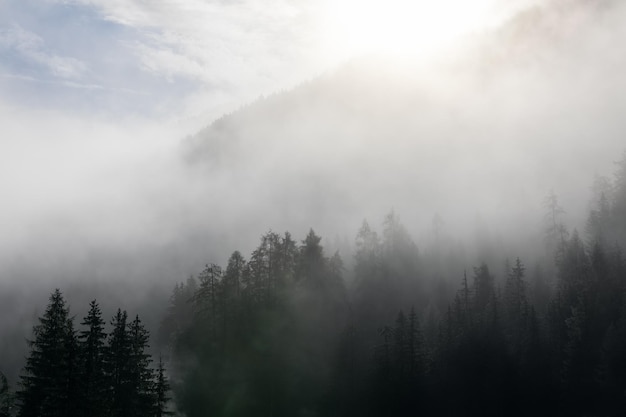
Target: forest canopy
x,y
283,332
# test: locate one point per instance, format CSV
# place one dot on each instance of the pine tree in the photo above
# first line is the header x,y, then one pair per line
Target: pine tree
x,y
401,352
416,352
335,279
598,225
232,280
312,271
260,277
618,206
483,290
6,397
556,233
384,370
179,315
516,305
118,366
287,257
92,377
231,295
73,388
207,302
161,391
575,274
48,382
141,375
368,252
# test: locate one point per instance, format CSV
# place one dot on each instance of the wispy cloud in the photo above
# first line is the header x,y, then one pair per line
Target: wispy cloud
x,y
193,57
196,59
32,47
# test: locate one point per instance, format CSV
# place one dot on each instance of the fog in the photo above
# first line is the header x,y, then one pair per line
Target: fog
x,y
477,134
486,130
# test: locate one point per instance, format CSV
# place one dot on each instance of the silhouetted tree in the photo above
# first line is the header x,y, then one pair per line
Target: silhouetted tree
x,y
48,383
483,290
556,232
516,306
6,397
161,392
179,312
207,300
311,269
118,367
93,381
141,374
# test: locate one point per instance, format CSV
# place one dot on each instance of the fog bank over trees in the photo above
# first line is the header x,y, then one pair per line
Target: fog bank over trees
x,y
483,131
506,146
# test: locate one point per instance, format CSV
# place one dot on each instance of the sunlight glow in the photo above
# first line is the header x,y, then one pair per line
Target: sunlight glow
x,y
402,27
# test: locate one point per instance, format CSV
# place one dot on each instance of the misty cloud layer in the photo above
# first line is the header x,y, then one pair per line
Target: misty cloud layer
x,y
478,136
485,131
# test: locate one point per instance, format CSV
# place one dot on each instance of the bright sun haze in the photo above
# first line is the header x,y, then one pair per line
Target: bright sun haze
x,y
403,27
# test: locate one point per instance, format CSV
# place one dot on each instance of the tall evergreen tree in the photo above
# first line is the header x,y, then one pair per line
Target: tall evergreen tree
x,y
207,300
48,382
312,265
6,397
179,315
93,380
161,392
416,349
118,366
232,280
556,232
516,306
483,290
141,374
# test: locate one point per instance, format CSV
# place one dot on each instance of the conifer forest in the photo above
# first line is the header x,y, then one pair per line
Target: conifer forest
x,y
330,208
290,330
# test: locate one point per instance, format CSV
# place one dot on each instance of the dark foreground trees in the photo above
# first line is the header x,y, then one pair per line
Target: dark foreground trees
x,y
6,397
50,378
89,373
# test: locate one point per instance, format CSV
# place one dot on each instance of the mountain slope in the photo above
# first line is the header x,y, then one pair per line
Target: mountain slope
x,y
485,129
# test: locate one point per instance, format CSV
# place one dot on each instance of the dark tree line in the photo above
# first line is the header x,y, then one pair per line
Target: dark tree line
x,y
246,338
88,372
289,331
282,334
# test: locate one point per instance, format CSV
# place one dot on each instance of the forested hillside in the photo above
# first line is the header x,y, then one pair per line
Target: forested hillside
x,y
294,330
487,279
281,333
483,131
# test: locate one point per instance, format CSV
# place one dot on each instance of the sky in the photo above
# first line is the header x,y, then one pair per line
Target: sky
x,y
96,95
136,59
187,62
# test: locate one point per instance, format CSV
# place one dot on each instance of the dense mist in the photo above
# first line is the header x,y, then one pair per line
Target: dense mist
x,y
483,130
465,149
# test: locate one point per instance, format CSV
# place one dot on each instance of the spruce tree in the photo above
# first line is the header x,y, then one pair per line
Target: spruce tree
x,y
161,392
516,306
118,366
141,375
6,397
311,269
48,382
206,299
92,377
483,290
